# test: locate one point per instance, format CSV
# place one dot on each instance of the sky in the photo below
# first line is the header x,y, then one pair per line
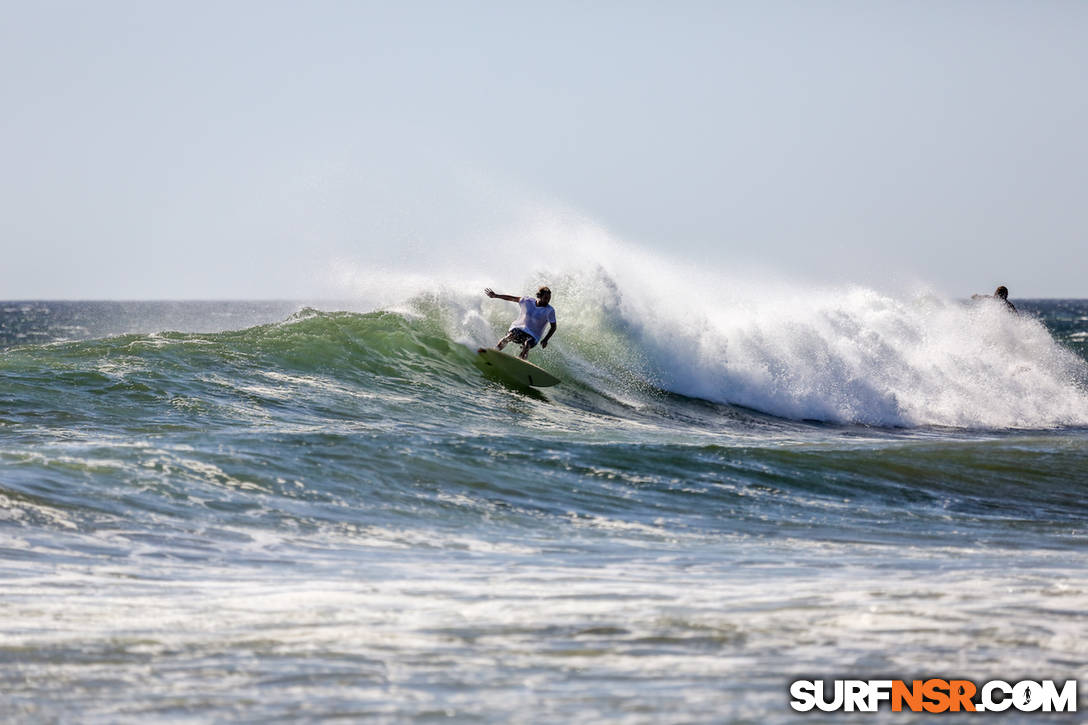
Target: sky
x,y
231,150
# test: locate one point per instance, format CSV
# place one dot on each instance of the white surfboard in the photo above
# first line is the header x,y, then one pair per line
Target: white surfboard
x,y
513,369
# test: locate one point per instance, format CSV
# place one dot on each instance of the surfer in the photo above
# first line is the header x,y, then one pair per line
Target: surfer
x,y
535,313
1001,293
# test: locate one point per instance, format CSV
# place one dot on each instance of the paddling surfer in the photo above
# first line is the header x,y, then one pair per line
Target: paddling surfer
x,y
1001,293
527,329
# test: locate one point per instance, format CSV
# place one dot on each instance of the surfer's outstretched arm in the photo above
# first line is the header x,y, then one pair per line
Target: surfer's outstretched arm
x,y
492,294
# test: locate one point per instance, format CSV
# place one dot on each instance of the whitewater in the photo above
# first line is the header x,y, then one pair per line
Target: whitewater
x,y
255,511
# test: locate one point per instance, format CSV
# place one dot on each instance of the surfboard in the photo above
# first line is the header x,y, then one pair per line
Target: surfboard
x,y
513,369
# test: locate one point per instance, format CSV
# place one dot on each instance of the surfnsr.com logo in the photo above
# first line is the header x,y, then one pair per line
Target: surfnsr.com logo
x,y
933,695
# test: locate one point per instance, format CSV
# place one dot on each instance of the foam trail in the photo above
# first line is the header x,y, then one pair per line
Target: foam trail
x,y
857,356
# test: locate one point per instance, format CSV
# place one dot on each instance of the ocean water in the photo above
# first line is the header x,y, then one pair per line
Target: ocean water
x,y
256,512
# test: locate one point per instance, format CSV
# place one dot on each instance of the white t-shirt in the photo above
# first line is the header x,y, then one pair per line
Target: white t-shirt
x,y
533,319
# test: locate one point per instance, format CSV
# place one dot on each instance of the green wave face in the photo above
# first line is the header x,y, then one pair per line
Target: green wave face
x,y
307,366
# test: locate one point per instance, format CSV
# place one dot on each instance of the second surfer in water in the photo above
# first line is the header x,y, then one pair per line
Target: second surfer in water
x,y
1001,293
529,326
